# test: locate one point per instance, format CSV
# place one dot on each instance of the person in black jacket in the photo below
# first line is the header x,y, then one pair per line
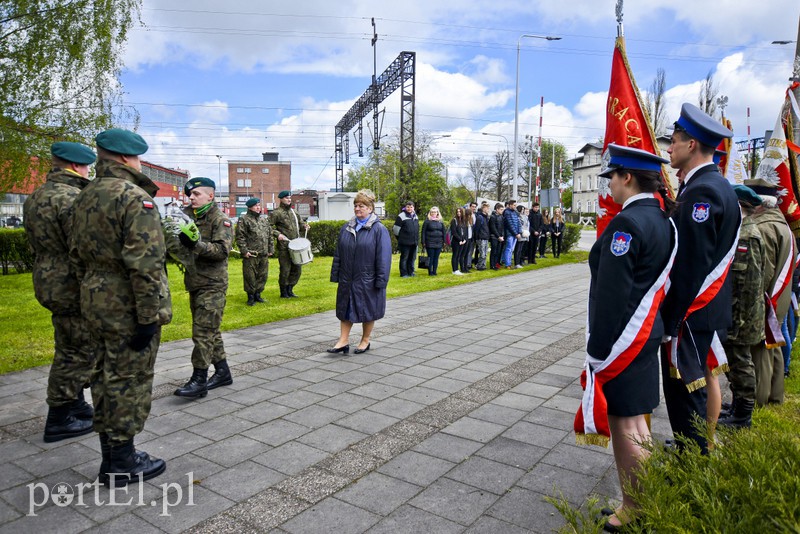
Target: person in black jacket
x,y
481,235
629,265
536,223
557,228
697,310
459,242
406,229
545,234
433,239
496,236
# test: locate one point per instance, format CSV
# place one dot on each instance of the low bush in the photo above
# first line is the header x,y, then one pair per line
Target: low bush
x,y
15,255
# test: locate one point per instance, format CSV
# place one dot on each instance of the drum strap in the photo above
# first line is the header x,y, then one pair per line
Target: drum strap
x,y
297,222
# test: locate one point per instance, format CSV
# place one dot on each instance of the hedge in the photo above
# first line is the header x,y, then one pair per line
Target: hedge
x,y
15,256
14,251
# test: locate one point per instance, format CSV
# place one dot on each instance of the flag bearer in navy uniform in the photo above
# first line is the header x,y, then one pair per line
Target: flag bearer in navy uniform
x,y
630,264
697,309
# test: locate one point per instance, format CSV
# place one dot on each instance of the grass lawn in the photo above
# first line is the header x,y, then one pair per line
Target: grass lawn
x,y
26,338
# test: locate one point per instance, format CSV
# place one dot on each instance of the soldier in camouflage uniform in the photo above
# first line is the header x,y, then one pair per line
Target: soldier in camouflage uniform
x,y
778,241
118,248
48,225
207,287
254,237
748,313
286,225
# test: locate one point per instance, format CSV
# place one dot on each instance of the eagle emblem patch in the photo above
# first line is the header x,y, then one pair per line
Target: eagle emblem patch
x,y
701,211
620,243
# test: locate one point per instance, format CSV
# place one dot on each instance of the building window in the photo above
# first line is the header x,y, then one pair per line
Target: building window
x,y
247,170
239,170
265,170
239,183
579,206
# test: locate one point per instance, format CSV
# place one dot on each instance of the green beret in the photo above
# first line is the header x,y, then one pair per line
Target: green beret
x,y
284,194
747,195
252,202
121,141
200,181
73,152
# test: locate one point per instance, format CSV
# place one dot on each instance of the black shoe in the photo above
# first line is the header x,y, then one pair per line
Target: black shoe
x,y
80,409
741,415
362,351
221,377
196,387
290,291
284,293
127,464
335,350
251,299
60,424
257,297
607,511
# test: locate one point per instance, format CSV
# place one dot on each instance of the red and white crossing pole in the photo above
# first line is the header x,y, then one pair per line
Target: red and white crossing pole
x,y
539,151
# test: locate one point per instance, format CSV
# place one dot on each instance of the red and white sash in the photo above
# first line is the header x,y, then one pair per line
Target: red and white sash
x,y
591,421
716,360
773,326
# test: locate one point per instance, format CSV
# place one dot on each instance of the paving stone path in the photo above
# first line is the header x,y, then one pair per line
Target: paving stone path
x,y
459,419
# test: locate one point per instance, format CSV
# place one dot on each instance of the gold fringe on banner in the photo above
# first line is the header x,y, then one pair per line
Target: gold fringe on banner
x,y
674,373
592,439
697,384
724,368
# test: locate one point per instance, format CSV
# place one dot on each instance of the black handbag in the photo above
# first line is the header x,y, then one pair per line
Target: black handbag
x,y
423,262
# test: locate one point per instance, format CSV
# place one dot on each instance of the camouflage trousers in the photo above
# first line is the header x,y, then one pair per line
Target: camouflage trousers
x,y
769,374
255,272
72,362
742,374
122,386
207,307
290,273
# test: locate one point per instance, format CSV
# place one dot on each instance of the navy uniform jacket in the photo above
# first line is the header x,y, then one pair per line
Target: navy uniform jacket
x,y
622,276
702,244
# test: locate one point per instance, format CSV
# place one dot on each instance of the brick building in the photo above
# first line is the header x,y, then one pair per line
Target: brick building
x,y
263,179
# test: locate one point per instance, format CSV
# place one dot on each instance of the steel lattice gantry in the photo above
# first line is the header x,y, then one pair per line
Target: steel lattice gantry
x,y
399,74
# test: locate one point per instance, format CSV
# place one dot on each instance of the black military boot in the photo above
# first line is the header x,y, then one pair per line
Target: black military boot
x,y
196,386
80,409
284,292
61,424
105,452
251,299
257,297
127,464
727,407
290,292
741,416
221,377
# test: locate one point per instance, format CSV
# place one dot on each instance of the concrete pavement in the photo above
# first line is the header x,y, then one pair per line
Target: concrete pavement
x,y
457,420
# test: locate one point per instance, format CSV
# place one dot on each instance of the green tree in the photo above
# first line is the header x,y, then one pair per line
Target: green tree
x,y
566,198
556,170
385,174
59,76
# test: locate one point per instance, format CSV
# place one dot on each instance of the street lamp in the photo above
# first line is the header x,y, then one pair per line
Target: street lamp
x,y
514,195
516,103
219,171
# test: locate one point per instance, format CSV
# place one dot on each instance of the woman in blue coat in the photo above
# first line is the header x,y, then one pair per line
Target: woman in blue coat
x,y
629,265
361,266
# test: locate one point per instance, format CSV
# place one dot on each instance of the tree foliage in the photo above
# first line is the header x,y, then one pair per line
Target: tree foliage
x,y
385,174
59,75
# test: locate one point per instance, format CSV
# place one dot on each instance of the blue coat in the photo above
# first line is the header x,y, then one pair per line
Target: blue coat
x,y
361,266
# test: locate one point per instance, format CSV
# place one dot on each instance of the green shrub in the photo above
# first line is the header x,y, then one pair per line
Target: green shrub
x,y
572,234
14,251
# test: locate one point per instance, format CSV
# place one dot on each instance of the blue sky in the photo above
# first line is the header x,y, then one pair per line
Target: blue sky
x,y
243,77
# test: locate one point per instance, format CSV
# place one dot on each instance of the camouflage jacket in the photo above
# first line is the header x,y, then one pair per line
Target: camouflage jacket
x,y
211,252
48,225
777,239
118,242
747,279
284,220
254,234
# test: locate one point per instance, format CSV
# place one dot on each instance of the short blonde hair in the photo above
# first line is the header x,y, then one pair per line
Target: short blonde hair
x,y
366,197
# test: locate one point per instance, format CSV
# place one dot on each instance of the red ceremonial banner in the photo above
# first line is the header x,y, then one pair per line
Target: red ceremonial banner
x,y
627,124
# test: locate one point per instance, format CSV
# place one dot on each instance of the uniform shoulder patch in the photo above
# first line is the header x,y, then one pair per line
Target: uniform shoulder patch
x,y
226,223
147,204
701,211
621,243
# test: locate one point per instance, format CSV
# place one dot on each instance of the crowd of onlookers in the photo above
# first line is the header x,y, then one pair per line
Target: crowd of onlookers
x,y
510,237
